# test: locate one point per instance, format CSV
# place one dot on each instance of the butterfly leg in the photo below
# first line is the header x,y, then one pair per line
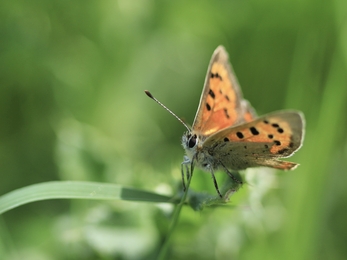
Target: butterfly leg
x,y
231,175
185,168
182,172
215,183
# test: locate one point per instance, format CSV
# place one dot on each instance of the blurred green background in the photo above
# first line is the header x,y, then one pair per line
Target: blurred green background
x,y
72,107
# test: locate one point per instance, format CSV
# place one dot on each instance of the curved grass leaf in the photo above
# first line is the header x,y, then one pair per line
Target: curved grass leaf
x,y
76,190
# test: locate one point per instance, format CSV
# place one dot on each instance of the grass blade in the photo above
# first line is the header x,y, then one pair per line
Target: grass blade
x,y
76,190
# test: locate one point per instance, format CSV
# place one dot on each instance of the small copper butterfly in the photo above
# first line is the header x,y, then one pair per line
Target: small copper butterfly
x,y
226,133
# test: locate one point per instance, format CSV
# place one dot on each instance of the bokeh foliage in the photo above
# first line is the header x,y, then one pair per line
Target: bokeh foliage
x,y
72,107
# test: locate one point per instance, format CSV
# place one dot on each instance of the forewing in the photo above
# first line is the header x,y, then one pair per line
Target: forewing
x,y
221,102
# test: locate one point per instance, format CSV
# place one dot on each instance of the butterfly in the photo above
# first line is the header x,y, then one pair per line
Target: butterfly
x,y
226,133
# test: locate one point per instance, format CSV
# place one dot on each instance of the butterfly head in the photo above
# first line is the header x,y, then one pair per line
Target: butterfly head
x,y
190,143
189,140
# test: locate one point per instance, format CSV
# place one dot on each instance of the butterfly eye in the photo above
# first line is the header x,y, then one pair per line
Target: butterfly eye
x,y
192,141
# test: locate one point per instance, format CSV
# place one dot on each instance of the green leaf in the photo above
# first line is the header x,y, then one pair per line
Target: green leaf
x,y
76,190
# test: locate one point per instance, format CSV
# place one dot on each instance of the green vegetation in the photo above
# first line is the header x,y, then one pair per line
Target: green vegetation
x,y
73,111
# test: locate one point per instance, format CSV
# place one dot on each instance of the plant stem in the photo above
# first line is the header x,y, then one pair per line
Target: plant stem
x,y
174,221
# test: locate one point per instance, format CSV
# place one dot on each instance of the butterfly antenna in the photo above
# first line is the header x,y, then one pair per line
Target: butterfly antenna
x,y
172,113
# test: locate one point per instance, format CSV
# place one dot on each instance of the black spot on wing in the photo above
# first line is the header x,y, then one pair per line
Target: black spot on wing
x,y
254,130
277,142
211,93
226,113
239,135
216,75
208,107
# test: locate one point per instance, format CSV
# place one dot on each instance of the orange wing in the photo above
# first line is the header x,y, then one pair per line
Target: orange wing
x,y
260,142
221,102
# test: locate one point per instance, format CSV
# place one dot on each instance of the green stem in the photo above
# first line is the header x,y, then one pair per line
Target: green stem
x,y
173,224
